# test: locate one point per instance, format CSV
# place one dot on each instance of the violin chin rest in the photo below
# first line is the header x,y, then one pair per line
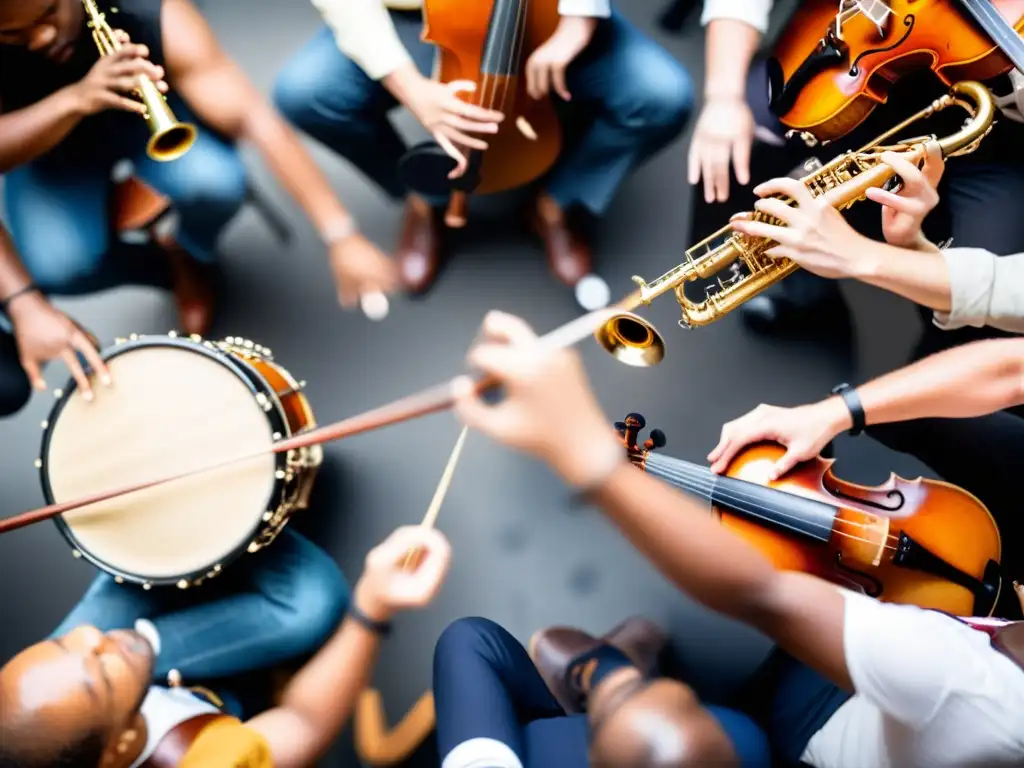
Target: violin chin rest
x,y
425,167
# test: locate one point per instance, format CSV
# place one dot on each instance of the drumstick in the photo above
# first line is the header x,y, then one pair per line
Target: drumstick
x,y
437,398
442,490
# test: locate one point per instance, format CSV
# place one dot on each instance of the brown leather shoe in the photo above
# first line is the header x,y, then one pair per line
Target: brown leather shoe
x,y
553,649
565,243
194,291
418,245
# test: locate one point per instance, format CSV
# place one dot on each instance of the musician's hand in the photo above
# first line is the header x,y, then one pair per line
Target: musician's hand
x,y
816,235
545,69
724,133
804,432
548,408
904,212
393,582
451,120
43,333
110,82
359,268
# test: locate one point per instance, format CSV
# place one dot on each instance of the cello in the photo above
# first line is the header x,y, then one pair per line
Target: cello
x,y
917,542
488,43
830,69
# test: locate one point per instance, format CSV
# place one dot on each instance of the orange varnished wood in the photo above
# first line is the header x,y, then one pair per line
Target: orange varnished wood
x,y
295,404
947,520
944,38
459,30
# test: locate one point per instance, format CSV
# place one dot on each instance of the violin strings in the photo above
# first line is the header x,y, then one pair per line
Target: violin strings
x,y
702,481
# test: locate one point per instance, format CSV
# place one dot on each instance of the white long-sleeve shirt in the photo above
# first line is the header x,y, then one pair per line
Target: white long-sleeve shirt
x,y
985,290
364,31
752,12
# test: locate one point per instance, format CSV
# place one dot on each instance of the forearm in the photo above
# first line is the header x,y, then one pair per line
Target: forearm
x,y
729,50
919,275
294,167
320,699
971,380
13,276
28,133
679,536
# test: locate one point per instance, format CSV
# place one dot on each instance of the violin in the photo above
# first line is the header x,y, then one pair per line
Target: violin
x,y
488,43
831,69
918,542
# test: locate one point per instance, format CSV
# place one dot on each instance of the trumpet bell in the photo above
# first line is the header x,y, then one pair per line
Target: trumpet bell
x,y
170,144
632,340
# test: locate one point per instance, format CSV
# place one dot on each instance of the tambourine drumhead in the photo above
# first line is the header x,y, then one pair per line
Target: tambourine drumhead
x,y
171,410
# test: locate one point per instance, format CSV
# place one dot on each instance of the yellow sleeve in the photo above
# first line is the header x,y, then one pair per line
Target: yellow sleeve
x,y
227,743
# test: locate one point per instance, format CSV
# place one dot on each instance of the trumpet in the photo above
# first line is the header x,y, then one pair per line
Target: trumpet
x,y
170,139
841,183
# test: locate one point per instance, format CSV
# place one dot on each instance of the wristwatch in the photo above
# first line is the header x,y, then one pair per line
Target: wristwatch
x,y
852,400
382,628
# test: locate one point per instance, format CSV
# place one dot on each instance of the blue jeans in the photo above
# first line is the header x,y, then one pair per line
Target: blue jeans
x,y
487,690
631,97
58,206
266,608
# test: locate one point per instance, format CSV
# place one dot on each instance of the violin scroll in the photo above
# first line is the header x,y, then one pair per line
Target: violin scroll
x,y
630,431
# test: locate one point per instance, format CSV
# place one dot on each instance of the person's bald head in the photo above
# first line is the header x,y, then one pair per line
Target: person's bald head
x,y
75,701
649,724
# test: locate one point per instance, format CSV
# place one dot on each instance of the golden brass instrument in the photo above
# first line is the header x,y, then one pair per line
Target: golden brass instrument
x,y
842,182
170,139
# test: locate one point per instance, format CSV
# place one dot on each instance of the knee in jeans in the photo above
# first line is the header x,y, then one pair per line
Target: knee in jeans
x,y
463,636
658,99
62,262
318,605
216,187
295,93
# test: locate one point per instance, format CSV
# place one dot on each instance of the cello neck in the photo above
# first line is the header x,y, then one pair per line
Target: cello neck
x,y
796,515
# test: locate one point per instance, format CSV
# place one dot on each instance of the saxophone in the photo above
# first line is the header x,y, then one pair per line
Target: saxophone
x,y
842,183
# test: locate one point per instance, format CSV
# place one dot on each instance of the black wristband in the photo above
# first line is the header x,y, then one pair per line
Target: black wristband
x,y
30,288
852,400
382,628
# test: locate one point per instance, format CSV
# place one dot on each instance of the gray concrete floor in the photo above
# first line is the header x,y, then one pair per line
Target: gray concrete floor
x,y
522,556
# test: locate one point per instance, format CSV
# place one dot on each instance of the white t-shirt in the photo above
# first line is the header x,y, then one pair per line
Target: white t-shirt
x,y
164,709
931,693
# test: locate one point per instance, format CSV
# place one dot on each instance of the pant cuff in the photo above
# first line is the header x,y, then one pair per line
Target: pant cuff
x,y
482,753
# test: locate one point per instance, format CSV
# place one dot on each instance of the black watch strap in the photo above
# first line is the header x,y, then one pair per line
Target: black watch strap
x,y
852,400
382,628
6,301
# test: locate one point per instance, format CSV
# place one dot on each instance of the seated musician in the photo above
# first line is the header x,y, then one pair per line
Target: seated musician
x,y
853,683
86,699
739,141
964,287
32,333
366,60
66,118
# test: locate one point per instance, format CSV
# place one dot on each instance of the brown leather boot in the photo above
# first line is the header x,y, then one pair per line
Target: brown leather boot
x,y
565,243
554,649
194,290
418,245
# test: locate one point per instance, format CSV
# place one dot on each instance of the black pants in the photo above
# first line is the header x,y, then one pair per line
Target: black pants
x,y
14,386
